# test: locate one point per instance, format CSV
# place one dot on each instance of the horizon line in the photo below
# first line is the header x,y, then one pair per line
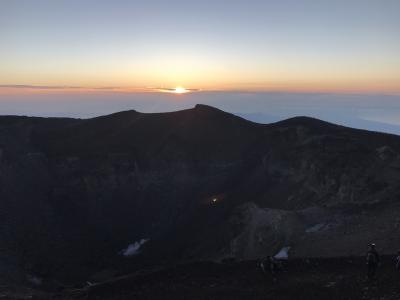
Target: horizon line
x,y
14,88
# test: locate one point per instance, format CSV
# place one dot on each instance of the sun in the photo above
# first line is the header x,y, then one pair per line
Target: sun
x,y
180,90
176,90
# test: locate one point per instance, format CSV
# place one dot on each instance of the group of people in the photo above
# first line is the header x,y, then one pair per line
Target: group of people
x,y
273,266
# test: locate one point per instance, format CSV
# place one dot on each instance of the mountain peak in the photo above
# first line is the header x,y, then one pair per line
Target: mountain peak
x,y
207,108
210,111
204,106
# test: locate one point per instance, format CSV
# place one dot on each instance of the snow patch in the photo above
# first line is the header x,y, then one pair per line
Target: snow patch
x,y
133,248
322,227
34,279
283,253
315,228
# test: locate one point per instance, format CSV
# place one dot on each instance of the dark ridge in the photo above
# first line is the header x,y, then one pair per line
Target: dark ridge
x,y
304,121
9,119
359,138
124,113
205,107
318,125
146,133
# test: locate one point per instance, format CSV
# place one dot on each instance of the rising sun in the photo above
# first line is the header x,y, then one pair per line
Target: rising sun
x,y
180,90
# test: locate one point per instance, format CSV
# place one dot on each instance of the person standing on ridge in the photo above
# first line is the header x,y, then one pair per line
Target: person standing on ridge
x,y
397,261
372,261
270,265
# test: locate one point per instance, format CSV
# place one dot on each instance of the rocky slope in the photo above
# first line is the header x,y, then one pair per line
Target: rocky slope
x,y
195,184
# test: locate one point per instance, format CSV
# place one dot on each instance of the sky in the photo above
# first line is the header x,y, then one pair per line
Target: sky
x,y
266,59
341,45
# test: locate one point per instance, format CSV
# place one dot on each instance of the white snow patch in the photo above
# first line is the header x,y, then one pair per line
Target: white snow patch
x,y
34,280
133,248
283,253
315,228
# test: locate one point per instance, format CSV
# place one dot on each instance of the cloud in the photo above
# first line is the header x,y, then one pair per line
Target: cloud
x,y
98,88
107,88
38,87
171,90
7,89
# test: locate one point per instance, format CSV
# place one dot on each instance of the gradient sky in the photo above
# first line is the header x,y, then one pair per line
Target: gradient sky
x,y
257,45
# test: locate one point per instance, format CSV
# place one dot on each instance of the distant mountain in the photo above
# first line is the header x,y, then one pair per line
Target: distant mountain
x,y
78,194
353,121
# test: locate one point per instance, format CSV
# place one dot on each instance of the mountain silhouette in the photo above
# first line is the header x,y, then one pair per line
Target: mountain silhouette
x,y
189,185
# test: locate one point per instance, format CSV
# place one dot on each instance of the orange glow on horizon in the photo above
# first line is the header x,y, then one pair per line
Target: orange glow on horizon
x,y
350,87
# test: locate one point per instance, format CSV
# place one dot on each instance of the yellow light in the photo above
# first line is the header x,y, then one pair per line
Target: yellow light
x,y
180,90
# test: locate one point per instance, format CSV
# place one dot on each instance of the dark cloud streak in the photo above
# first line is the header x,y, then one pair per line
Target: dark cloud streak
x,y
39,87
